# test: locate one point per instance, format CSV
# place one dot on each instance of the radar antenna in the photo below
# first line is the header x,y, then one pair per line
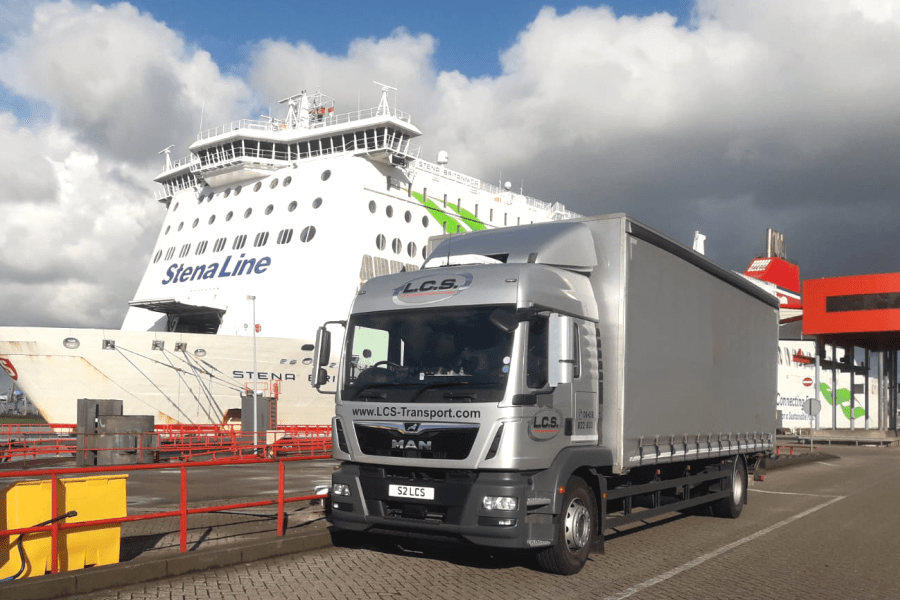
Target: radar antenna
x,y
383,107
168,153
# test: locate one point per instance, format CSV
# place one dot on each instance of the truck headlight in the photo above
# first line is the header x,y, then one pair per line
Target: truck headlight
x,y
500,503
340,489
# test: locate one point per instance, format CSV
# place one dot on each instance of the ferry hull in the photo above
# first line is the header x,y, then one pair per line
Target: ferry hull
x,y
175,377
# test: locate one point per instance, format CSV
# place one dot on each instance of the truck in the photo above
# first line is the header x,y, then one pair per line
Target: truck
x,y
532,387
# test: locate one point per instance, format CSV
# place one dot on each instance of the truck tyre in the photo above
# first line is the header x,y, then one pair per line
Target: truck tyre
x,y
731,506
576,526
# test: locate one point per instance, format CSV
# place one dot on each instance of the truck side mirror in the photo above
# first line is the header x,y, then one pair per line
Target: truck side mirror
x,y
561,351
321,355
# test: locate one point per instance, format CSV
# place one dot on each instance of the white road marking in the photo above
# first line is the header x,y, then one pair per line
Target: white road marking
x,y
796,494
702,559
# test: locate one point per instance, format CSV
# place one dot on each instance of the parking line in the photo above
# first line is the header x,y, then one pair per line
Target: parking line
x,y
702,559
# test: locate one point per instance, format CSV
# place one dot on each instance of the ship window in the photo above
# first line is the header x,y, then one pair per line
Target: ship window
x,y
504,219
168,227
226,193
284,236
372,206
212,219
397,246
239,242
261,239
184,250
424,252
307,234
425,221
200,199
287,181
180,226
248,212
176,207
229,215
274,184
491,218
201,248
325,175
158,256
237,190
269,209
292,206
411,249
170,253
389,211
407,216
220,245
196,222
380,242
317,203
257,186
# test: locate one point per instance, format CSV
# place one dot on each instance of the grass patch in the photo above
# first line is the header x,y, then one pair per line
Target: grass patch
x,y
18,420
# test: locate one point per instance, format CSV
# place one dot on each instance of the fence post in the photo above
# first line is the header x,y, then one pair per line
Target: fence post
x,y
183,510
54,530
280,526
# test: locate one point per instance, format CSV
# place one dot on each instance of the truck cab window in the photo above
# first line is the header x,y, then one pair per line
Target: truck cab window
x,y
536,372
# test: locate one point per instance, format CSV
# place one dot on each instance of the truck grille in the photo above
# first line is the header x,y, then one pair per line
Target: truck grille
x,y
439,441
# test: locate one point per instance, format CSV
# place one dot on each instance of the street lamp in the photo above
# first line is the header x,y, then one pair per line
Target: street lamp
x,y
255,378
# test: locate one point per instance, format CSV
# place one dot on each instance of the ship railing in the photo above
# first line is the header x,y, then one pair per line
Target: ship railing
x,y
58,528
316,121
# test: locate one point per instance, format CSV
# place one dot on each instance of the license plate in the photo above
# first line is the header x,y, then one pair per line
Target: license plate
x,y
411,491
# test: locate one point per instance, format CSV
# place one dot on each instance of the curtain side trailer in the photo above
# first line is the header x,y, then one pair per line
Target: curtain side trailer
x,y
532,387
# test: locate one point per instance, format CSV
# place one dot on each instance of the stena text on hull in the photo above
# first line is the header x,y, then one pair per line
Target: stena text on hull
x,y
277,219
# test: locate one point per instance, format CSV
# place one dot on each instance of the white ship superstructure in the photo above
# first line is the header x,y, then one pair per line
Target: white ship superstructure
x,y
271,226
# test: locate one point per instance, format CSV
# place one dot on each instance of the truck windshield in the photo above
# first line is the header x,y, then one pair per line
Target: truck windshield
x,y
428,355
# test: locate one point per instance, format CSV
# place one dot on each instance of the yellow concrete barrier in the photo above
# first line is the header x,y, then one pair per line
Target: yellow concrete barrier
x,y
27,503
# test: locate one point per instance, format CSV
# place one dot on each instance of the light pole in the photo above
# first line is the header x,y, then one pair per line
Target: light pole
x,y
255,376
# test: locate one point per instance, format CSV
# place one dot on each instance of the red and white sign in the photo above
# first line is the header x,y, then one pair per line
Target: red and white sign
x,y
807,381
9,368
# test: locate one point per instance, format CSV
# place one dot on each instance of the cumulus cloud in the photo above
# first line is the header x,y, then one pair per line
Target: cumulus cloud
x,y
759,113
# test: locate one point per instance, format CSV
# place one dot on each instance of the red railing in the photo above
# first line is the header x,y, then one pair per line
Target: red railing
x,y
171,442
56,526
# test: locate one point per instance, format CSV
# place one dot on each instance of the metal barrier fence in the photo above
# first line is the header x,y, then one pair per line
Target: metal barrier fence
x,y
56,523
19,443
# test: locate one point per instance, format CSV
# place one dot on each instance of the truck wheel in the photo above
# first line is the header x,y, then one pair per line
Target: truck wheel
x,y
575,529
731,506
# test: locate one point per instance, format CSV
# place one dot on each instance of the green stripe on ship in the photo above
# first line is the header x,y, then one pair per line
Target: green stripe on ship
x,y
450,224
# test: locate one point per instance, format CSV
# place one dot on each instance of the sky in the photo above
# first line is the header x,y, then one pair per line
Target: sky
x,y
723,116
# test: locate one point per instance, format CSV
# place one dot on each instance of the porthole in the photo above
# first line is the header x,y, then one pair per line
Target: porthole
x,y
257,186
292,206
307,361
411,249
424,252
372,206
380,242
71,343
212,219
227,193
248,212
307,234
317,203
425,221
274,184
229,215
397,246
325,175
176,207
201,199
181,226
407,216
158,256
269,209
168,227
237,190
196,222
199,352
287,181
389,211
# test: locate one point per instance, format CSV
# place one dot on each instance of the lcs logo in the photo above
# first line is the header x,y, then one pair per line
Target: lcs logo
x,y
427,290
545,424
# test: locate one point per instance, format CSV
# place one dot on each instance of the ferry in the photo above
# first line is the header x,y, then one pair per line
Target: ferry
x,y
271,226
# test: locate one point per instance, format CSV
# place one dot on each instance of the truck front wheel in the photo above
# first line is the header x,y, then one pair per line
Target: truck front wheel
x,y
730,507
575,530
